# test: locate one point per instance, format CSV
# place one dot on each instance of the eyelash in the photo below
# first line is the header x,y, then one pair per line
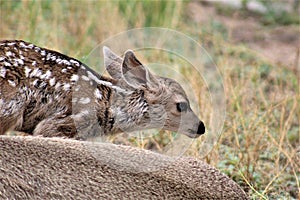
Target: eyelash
x,y
182,107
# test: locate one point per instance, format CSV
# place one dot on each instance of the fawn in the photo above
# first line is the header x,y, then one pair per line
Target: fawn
x,y
55,168
43,92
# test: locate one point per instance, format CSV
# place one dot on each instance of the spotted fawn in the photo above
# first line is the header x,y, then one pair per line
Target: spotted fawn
x,y
43,92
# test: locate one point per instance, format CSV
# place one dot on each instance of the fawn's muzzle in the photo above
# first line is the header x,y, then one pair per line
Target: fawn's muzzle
x,y
201,128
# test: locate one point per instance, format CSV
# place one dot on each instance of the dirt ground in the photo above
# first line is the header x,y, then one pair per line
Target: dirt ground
x,y
279,44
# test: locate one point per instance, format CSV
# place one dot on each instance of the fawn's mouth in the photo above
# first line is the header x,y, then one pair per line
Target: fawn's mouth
x,y
192,133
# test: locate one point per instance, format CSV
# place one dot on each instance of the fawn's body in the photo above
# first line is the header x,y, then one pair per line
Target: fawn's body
x,y
43,92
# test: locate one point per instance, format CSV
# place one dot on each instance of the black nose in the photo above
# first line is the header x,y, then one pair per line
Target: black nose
x,y
201,128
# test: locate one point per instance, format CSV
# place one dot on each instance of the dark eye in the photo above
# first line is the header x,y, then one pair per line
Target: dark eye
x,y
182,107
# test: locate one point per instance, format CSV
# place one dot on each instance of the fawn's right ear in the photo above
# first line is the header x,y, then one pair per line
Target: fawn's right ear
x,y
135,74
112,63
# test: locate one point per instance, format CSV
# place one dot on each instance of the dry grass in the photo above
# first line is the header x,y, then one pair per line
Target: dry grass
x,y
259,147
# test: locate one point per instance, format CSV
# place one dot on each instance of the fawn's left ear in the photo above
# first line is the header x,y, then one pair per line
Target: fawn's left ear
x,y
112,63
135,74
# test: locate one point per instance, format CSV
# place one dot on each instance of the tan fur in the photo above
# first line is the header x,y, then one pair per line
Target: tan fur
x,y
53,168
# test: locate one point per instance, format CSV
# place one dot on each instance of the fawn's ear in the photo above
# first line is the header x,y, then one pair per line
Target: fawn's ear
x,y
135,74
112,63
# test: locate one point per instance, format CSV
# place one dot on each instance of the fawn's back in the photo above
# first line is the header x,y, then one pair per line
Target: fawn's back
x,y
36,88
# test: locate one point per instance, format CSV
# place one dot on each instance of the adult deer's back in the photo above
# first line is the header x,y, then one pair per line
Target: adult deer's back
x,y
53,168
43,92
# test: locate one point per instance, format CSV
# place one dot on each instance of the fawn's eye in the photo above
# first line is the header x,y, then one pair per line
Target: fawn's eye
x,y
182,106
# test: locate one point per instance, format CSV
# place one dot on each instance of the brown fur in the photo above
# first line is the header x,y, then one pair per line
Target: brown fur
x,y
53,168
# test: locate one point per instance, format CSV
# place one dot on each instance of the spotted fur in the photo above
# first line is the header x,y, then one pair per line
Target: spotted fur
x,y
43,92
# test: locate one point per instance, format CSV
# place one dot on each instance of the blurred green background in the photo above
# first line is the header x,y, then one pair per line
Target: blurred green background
x,y
255,44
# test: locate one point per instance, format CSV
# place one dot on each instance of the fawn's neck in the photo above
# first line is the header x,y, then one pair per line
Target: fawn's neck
x,y
129,110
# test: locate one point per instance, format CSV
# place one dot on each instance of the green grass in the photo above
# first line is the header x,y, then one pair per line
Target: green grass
x,y
260,140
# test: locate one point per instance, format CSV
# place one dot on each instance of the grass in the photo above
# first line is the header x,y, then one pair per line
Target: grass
x,y
259,146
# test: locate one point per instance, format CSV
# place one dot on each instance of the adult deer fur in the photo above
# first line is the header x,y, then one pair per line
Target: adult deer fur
x,y
43,92
55,168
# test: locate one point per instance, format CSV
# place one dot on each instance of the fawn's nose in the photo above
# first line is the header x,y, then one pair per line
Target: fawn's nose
x,y
201,128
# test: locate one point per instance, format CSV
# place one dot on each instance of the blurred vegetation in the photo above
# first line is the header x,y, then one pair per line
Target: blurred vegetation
x,y
274,15
259,147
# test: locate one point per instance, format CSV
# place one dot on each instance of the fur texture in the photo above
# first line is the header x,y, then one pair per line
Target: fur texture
x,y
53,168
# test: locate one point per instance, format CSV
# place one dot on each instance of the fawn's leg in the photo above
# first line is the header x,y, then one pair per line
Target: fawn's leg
x,y
11,115
13,122
56,126
78,126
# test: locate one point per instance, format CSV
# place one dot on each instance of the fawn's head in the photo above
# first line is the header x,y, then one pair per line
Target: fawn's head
x,y
167,104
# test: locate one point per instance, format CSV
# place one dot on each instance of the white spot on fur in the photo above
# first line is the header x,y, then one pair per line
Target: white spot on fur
x,y
74,78
37,49
52,81
66,86
34,63
74,100
53,58
66,62
85,112
47,75
43,84
57,86
22,44
64,70
85,78
20,61
92,76
43,52
27,71
8,53
97,93
11,43
2,72
77,88
81,114
48,56
74,62
30,46
36,73
34,83
83,100
7,64
101,82
83,67
2,58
